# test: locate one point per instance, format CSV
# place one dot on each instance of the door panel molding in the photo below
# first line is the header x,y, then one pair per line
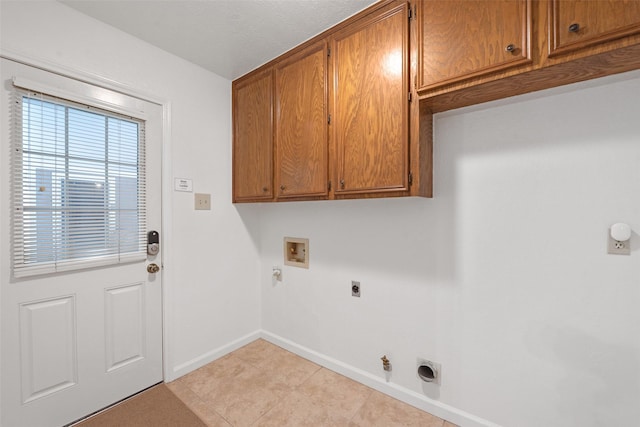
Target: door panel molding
x,y
125,339
48,344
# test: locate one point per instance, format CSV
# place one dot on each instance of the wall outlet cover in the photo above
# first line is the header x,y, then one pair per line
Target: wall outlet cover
x,y
615,247
355,289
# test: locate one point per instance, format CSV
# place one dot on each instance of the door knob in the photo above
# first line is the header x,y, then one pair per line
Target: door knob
x,y
153,268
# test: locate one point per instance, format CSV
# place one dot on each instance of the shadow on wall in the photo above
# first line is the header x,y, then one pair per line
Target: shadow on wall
x,y
526,122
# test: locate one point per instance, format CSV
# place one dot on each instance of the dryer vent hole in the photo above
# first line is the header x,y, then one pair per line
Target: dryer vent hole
x,y
426,373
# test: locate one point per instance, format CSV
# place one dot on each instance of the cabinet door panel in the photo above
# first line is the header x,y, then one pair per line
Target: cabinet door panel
x,y
461,38
301,125
370,100
576,24
253,139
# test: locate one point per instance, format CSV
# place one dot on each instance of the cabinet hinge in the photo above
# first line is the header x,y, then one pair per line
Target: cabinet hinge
x,y
410,178
328,51
410,97
329,186
410,13
329,119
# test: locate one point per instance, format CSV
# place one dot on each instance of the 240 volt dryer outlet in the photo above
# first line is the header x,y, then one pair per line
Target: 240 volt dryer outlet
x,y
355,289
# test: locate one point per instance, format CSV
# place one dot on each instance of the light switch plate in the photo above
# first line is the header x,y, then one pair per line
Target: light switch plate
x,y
203,202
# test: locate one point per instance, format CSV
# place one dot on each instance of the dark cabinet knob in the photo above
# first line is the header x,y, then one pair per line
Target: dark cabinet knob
x,y
574,28
282,187
342,183
265,189
510,48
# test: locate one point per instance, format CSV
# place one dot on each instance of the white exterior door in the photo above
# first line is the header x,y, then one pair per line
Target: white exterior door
x,y
75,341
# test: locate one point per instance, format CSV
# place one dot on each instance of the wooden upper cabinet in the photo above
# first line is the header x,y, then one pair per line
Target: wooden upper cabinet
x,y
369,125
579,24
253,138
460,39
301,124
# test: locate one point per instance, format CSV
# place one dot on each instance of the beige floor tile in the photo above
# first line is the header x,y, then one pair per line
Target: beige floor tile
x,y
289,368
208,377
193,402
286,366
384,411
244,398
339,394
259,352
264,385
298,409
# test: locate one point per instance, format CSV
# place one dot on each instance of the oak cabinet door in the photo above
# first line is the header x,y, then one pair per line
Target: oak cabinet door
x,y
459,39
370,103
253,138
579,24
301,125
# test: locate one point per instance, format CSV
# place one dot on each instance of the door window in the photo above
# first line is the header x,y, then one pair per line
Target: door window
x,y
79,186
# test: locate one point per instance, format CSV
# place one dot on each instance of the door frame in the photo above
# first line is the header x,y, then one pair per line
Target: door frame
x,y
166,167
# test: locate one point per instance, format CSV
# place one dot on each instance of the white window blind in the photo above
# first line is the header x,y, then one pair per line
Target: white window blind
x,y
78,186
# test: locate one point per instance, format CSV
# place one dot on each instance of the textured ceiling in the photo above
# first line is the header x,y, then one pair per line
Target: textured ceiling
x,y
228,37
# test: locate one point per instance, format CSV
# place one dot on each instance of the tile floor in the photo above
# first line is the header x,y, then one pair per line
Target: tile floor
x,y
262,384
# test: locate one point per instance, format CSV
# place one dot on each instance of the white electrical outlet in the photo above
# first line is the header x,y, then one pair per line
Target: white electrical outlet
x,y
615,247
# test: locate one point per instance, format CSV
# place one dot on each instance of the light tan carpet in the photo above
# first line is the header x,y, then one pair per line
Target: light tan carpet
x,y
157,407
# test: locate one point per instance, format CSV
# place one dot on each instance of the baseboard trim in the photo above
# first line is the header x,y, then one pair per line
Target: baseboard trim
x,y
403,394
210,356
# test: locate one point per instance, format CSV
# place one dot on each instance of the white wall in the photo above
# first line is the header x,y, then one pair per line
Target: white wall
x,y
502,277
212,293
